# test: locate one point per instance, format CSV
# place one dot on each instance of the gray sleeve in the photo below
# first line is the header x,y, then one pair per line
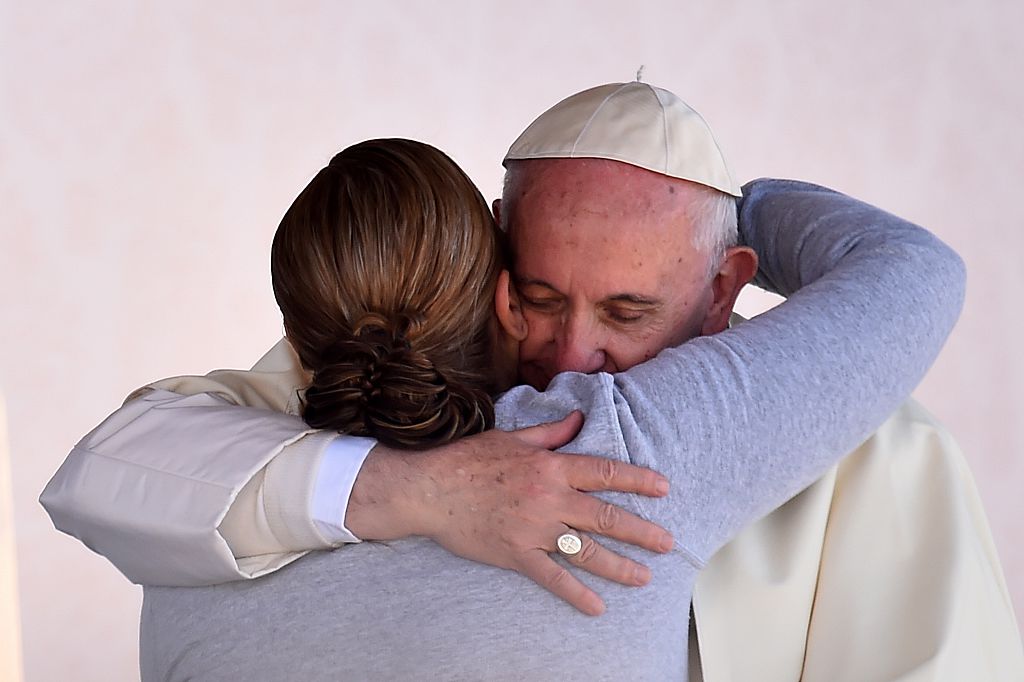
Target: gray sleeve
x,y
743,420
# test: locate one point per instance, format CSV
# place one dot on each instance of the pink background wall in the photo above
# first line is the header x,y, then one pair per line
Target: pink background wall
x,y
147,151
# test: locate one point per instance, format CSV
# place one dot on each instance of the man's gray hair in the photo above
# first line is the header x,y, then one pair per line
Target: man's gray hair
x,y
717,225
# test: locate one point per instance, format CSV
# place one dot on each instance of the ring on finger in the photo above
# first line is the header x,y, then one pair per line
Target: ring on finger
x,y
569,543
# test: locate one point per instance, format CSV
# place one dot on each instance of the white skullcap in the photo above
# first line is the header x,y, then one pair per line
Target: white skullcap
x,y
634,123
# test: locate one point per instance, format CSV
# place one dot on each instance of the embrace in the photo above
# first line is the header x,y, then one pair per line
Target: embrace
x,y
641,428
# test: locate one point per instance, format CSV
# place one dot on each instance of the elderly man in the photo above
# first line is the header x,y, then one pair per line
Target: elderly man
x,y
579,190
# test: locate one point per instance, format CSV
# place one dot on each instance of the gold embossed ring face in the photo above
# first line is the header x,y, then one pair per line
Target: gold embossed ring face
x,y
569,543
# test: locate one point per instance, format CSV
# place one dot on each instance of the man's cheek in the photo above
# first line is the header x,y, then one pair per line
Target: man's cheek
x,y
540,332
623,353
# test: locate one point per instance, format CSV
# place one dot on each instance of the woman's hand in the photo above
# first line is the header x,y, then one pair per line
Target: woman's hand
x,y
503,498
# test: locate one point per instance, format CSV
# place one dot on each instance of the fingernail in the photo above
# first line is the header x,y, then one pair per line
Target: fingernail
x,y
662,487
666,543
641,575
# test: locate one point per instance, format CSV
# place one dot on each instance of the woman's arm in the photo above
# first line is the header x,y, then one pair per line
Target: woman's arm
x,y
743,420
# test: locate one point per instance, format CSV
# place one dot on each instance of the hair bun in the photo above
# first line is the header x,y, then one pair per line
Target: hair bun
x,y
374,382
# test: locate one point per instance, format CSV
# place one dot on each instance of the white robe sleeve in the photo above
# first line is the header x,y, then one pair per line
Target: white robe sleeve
x,y
149,489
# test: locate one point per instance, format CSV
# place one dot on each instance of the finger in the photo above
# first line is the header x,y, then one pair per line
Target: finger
x,y
605,563
553,435
590,514
599,473
543,570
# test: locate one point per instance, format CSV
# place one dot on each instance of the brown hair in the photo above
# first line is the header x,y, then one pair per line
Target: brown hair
x,y
385,268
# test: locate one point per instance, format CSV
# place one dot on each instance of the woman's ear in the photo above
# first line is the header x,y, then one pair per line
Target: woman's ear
x,y
508,308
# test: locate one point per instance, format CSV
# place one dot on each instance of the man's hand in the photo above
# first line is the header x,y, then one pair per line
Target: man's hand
x,y
503,498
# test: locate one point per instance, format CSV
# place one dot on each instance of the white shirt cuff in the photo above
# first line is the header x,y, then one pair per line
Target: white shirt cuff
x,y
342,460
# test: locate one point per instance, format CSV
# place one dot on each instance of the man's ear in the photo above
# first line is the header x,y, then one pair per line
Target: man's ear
x,y
496,210
508,308
738,267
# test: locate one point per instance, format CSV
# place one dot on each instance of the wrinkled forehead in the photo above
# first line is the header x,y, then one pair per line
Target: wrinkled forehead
x,y
628,193
615,226
612,199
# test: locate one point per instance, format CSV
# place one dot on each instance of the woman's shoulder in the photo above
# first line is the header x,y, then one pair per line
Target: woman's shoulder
x,y
523,406
593,394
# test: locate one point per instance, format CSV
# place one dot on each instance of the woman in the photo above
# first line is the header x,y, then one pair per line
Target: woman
x,y
385,268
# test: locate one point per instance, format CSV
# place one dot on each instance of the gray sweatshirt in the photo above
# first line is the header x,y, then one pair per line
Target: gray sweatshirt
x,y
739,422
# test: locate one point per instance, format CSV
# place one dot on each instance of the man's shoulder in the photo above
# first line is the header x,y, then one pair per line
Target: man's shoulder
x,y
909,449
913,419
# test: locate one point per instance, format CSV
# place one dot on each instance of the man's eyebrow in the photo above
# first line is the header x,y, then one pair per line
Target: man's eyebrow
x,y
531,281
635,299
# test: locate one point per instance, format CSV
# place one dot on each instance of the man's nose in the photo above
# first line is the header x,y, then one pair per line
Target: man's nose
x,y
580,347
